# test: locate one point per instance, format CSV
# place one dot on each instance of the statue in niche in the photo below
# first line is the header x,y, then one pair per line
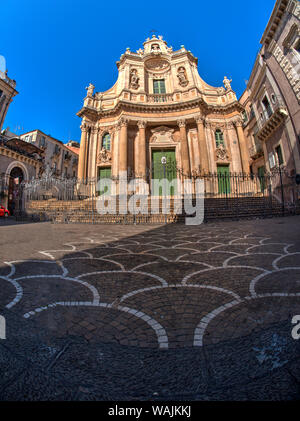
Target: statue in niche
x,y
134,79
227,83
181,74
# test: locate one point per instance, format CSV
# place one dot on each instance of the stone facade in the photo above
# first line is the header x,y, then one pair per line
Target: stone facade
x,y
61,158
19,161
160,103
7,93
272,97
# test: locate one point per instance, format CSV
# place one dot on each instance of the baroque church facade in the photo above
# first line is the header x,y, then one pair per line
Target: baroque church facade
x,y
161,107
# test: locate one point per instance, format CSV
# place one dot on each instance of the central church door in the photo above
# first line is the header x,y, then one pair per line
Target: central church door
x,y
164,167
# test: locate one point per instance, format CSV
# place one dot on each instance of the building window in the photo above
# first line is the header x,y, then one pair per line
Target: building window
x,y
297,46
219,138
43,141
267,107
252,113
272,161
279,155
159,86
273,98
106,141
244,116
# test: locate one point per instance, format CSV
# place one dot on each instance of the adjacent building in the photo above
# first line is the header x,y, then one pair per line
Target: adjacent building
x,y
272,98
61,158
160,108
7,93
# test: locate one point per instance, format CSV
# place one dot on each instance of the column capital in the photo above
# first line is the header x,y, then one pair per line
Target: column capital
x,y
200,119
142,124
84,127
123,122
238,121
94,129
181,123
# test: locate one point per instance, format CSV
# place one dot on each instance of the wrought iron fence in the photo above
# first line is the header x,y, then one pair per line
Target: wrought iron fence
x,y
275,189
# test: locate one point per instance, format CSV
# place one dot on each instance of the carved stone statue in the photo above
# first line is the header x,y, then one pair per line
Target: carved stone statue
x,y
181,74
90,90
227,83
134,79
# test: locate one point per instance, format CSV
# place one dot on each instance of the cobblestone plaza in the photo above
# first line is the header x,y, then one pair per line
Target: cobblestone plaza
x,y
146,312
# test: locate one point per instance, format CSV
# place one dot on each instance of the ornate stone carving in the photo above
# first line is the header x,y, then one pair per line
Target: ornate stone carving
x,y
123,122
200,119
141,124
221,153
162,134
238,121
90,90
84,127
182,77
230,125
155,49
104,156
181,123
157,65
227,83
134,79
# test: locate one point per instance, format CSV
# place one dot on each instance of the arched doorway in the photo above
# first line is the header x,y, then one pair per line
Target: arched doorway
x,y
16,177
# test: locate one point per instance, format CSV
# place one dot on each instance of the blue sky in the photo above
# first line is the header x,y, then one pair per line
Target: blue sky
x,y
53,49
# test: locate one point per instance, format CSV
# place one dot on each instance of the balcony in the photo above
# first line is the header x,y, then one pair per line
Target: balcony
x,y
272,118
256,151
160,98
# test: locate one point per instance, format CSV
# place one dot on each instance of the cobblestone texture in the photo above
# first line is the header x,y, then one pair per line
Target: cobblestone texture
x,y
132,312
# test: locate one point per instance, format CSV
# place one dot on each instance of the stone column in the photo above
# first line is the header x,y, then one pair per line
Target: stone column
x,y
92,152
83,152
243,146
123,145
185,161
142,170
204,162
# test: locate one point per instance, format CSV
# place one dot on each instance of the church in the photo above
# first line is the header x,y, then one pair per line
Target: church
x,y
161,115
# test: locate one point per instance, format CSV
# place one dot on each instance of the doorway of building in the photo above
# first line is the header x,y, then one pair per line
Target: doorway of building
x,y
223,179
164,167
14,191
104,173
261,177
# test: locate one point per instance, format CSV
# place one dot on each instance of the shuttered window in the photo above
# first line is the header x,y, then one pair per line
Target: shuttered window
x,y
159,86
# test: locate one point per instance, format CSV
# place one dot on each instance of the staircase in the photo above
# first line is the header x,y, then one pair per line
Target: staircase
x,y
84,211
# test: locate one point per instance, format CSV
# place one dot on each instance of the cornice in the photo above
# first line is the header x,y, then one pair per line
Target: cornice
x,y
163,107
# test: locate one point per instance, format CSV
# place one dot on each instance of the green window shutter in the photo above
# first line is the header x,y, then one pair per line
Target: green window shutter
x,y
106,142
159,86
219,138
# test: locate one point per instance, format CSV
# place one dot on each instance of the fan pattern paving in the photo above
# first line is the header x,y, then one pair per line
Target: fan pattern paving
x,y
165,288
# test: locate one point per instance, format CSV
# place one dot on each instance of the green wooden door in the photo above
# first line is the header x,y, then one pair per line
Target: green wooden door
x,y
104,173
168,171
223,179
